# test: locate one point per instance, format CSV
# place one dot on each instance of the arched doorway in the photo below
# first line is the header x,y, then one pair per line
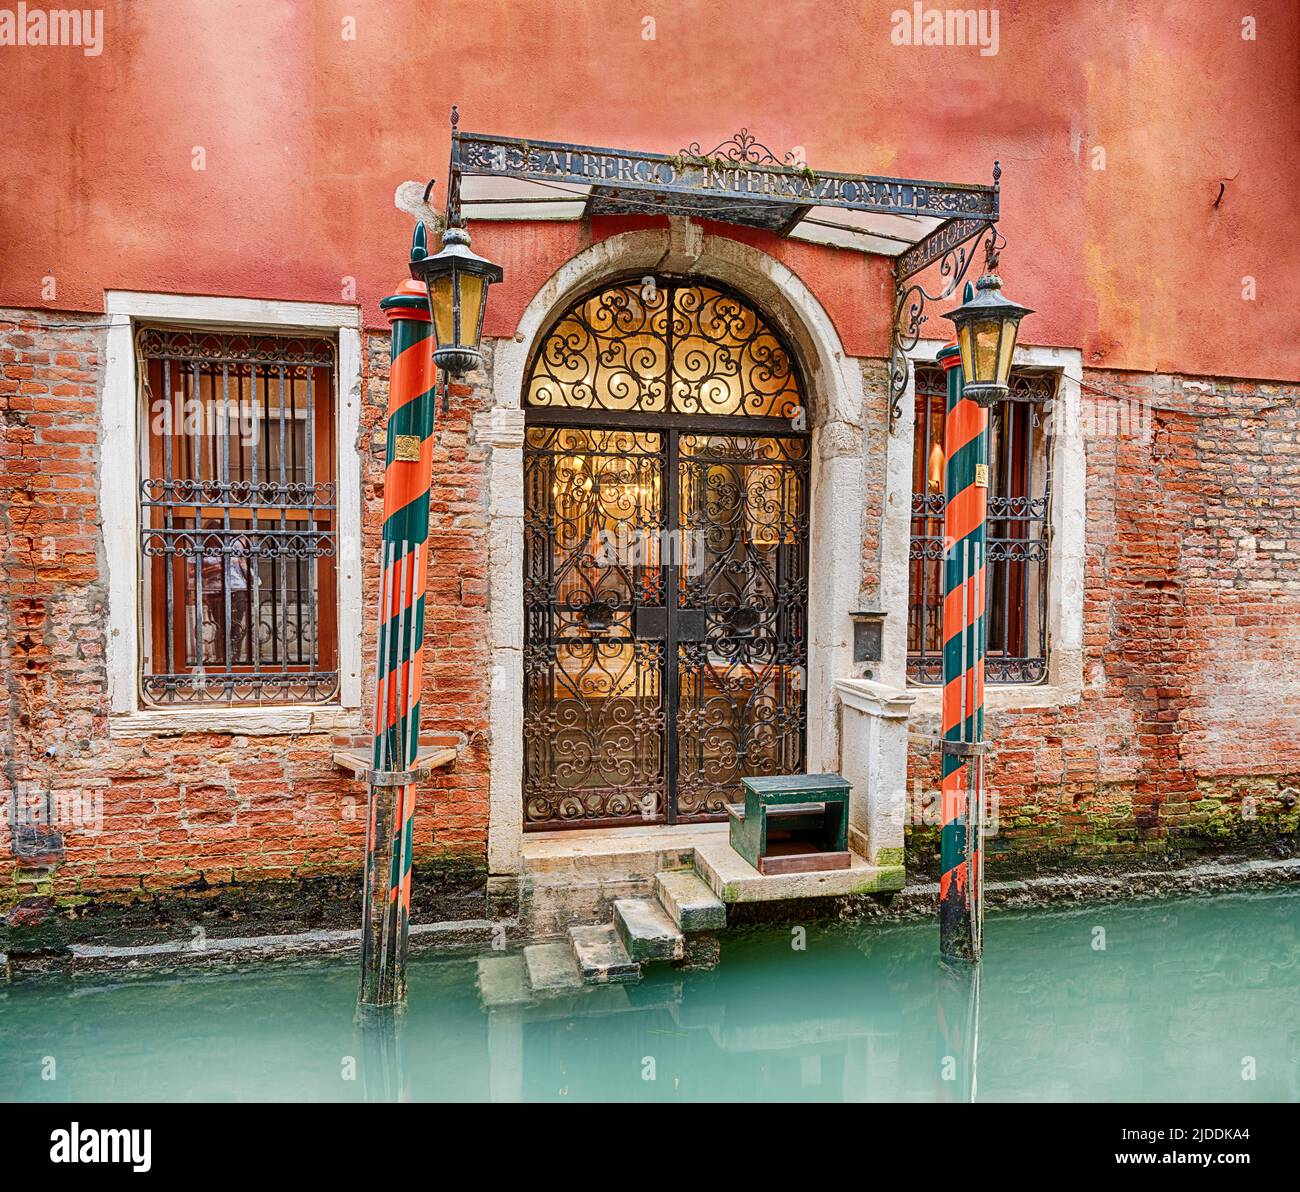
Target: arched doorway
x,y
666,487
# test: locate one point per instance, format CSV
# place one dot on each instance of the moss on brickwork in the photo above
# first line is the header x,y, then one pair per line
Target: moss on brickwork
x,y
1257,814
921,851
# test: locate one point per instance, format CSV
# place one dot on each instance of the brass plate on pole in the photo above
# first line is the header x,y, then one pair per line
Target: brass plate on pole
x,y
407,448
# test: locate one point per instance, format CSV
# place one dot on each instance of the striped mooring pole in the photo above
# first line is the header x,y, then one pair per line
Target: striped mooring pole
x,y
961,866
399,651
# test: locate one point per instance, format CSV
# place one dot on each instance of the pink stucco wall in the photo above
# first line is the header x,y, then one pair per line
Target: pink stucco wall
x,y
307,136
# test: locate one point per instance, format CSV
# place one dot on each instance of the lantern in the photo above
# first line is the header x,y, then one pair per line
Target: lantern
x,y
457,280
986,334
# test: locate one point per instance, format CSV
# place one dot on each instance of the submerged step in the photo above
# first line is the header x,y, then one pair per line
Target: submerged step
x,y
552,968
601,956
503,981
647,930
690,902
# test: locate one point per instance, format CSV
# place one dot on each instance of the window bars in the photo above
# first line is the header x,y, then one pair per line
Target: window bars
x,y
1018,539
238,519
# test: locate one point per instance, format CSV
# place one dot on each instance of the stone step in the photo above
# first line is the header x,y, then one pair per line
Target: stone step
x,y
647,930
552,968
690,902
503,981
601,956
733,879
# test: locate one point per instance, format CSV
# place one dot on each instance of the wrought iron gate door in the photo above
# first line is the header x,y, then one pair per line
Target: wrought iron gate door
x,y
665,613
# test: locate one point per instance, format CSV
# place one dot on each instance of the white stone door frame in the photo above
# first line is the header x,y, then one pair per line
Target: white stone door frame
x,y
835,391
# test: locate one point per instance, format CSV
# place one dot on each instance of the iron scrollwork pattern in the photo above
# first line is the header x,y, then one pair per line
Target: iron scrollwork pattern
x,y
594,693
658,345
665,559
910,317
744,148
742,684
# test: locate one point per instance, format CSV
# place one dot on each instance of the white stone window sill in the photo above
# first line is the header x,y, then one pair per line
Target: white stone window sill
x,y
251,722
999,698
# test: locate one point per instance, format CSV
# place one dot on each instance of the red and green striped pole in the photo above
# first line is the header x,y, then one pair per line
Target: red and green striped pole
x,y
400,648
961,873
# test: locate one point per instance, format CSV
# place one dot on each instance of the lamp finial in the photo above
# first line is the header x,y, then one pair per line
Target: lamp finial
x,y
419,242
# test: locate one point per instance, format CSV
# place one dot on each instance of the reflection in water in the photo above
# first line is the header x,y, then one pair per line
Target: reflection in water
x,y
958,1000
384,1074
1182,993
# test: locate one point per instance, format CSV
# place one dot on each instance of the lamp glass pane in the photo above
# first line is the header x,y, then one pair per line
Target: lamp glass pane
x,y
985,334
471,308
441,304
1008,346
964,344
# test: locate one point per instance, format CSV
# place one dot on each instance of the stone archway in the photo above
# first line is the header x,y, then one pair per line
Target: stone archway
x,y
835,398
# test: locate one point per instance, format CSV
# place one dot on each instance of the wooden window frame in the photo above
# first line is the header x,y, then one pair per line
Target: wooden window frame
x,y
168,384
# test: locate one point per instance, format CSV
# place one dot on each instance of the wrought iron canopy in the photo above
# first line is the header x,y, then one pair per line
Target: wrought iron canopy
x,y
740,182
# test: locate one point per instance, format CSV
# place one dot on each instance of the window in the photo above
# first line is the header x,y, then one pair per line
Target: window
x,y
1019,532
238,532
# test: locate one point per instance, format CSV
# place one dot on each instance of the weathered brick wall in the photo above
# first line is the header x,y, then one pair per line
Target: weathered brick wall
x,y
199,810
1186,736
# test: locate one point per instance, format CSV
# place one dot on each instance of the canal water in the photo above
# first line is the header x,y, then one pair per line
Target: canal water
x,y
1189,999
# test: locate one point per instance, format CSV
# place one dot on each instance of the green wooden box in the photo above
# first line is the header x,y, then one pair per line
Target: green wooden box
x,y
793,824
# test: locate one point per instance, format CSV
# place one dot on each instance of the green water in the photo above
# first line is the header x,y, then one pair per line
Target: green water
x,y
1186,998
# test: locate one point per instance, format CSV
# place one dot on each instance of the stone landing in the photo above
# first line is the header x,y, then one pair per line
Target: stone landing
x,y
616,900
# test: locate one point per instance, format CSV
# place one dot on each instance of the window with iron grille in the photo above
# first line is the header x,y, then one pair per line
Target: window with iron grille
x,y
1019,531
239,527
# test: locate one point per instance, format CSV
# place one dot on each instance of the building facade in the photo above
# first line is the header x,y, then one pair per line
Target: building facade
x,y
684,473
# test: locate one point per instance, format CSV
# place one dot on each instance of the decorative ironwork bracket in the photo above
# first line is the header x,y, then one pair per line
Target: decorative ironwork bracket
x,y
453,172
951,245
